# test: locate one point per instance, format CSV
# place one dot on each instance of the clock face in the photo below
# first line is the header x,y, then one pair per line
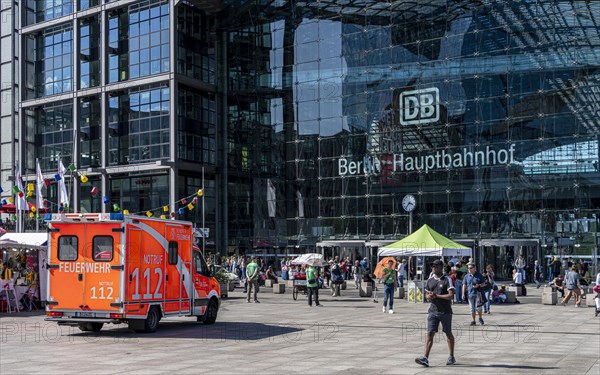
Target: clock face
x,y
409,203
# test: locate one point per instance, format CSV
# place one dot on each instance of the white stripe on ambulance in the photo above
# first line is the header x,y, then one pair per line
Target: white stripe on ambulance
x,y
79,267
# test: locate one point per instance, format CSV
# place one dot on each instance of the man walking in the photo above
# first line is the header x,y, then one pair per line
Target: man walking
x,y
389,281
311,283
573,287
252,279
471,284
537,273
440,291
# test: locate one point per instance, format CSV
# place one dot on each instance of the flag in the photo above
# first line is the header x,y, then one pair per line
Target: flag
x,y
300,203
271,198
21,202
39,199
63,196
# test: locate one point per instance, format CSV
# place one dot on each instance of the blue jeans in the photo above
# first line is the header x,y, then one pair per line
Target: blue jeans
x,y
388,292
458,293
401,281
488,295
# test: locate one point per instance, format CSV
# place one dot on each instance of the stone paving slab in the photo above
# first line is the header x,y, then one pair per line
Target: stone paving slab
x,y
348,335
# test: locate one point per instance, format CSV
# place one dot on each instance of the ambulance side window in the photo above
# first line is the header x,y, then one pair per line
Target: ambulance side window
x,y
103,248
173,254
200,264
67,248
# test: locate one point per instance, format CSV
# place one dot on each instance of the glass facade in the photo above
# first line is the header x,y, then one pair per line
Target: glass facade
x,y
197,126
138,41
89,132
313,120
483,111
89,34
54,61
196,57
139,125
53,134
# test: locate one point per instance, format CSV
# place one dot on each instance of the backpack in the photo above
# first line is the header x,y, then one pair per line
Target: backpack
x,y
336,270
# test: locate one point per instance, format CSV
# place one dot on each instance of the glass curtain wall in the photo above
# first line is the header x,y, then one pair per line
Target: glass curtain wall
x,y
484,111
139,125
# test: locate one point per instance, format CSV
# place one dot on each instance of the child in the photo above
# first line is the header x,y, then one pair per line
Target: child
x,y
499,295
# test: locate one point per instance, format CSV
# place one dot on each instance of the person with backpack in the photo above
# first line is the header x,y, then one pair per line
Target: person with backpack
x,y
336,277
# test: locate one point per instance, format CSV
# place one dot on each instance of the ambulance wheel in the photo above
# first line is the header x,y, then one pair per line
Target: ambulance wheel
x,y
151,322
91,327
210,317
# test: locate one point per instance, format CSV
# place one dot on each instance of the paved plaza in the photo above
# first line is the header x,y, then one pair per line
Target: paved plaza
x,y
348,335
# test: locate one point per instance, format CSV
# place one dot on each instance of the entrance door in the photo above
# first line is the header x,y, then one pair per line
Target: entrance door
x,y
134,261
66,286
101,273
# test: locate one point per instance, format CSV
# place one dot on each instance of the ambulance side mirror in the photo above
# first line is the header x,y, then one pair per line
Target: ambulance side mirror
x,y
212,270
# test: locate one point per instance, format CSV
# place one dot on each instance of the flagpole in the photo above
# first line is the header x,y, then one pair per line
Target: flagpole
x,y
204,233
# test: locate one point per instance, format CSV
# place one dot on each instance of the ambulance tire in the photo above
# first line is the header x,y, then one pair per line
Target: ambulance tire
x,y
91,327
152,320
210,317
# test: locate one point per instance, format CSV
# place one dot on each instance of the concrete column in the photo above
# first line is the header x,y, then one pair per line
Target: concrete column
x,y
76,160
103,104
173,170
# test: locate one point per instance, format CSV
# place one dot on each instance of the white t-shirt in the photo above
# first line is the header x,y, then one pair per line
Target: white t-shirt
x,y
518,278
598,279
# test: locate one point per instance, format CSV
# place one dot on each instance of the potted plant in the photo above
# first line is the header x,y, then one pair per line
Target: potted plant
x,y
221,277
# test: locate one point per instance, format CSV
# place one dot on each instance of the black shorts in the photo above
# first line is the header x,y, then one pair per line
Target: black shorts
x,y
434,319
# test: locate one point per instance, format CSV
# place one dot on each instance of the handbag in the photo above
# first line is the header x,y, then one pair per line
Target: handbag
x,y
596,288
311,281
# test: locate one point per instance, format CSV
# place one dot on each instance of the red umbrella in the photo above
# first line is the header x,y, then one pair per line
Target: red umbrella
x,y
11,209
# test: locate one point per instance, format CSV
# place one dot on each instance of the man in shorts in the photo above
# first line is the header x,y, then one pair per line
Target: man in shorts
x,y
440,291
472,283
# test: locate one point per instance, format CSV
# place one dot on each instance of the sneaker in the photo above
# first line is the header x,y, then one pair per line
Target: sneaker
x,y
488,312
391,311
473,323
257,301
248,301
451,361
481,321
563,303
319,305
422,361
383,309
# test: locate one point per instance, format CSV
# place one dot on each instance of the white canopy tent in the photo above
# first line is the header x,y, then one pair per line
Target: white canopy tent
x,y
34,241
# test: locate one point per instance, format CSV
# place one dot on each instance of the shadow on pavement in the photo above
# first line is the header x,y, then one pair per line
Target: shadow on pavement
x,y
226,331
524,367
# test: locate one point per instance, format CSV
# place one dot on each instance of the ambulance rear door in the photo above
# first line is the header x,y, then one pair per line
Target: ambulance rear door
x,y
103,268
65,282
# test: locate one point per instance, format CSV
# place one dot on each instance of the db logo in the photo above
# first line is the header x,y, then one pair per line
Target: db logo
x,y
419,106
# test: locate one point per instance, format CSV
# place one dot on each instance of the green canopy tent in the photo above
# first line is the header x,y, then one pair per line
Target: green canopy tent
x,y
425,242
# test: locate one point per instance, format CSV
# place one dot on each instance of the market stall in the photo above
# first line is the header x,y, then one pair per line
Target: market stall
x,y
22,271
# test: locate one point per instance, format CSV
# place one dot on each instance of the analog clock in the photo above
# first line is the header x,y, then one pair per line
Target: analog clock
x,y
409,203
